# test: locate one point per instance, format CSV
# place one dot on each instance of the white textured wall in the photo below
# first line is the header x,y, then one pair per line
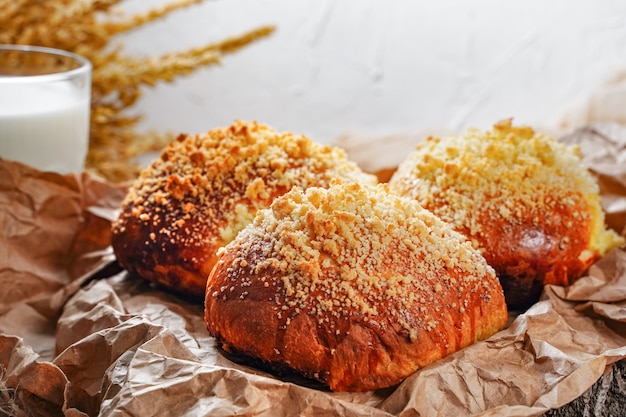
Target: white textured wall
x,y
385,67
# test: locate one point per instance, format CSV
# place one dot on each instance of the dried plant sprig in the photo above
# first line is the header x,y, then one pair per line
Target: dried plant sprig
x,y
87,27
143,18
123,77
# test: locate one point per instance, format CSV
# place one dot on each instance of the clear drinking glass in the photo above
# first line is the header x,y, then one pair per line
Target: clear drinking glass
x,y
44,107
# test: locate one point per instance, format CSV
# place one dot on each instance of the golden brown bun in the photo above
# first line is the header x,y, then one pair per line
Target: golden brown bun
x,y
204,188
352,286
525,200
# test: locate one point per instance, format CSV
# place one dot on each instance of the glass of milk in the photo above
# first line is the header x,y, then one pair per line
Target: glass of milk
x,y
44,107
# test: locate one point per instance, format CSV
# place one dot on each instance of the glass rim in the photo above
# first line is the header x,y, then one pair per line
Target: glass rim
x,y
84,66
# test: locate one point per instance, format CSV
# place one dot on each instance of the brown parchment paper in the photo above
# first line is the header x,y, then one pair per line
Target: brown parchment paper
x,y
81,337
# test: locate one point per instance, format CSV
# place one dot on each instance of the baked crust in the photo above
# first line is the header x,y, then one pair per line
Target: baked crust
x,y
525,200
204,188
352,286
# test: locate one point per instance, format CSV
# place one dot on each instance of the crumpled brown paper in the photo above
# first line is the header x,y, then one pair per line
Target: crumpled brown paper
x,y
79,336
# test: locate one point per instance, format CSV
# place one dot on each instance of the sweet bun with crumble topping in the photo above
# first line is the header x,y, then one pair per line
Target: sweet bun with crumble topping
x,y
204,188
524,199
351,286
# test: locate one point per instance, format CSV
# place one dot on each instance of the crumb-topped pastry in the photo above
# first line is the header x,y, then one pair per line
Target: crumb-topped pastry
x,y
524,199
205,188
352,286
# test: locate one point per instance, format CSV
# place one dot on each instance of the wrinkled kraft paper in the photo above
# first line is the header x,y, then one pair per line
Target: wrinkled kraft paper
x,y
81,337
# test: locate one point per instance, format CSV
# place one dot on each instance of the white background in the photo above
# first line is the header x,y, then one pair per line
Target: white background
x,y
376,67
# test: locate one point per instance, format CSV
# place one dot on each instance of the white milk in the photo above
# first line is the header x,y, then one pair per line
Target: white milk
x,y
45,126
